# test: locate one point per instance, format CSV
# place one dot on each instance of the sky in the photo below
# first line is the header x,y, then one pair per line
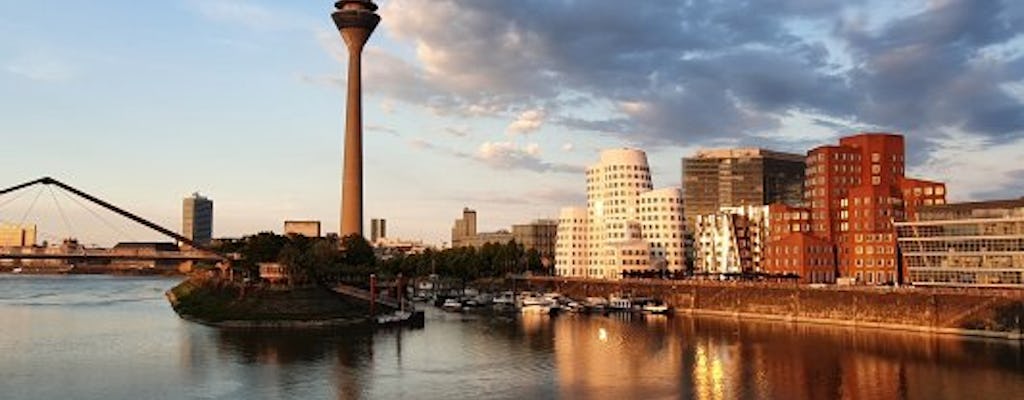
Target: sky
x,y
491,104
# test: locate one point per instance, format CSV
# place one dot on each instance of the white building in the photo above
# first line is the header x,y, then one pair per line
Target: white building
x,y
626,227
731,240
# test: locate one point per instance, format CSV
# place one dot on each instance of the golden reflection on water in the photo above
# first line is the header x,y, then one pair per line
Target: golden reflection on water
x,y
717,359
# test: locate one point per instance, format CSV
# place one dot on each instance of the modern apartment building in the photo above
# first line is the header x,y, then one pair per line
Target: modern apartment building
x,y
197,219
627,227
855,192
979,244
791,248
731,241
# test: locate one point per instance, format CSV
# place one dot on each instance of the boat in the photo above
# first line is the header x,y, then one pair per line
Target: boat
x,y
616,303
504,299
655,307
535,305
595,304
17,270
452,304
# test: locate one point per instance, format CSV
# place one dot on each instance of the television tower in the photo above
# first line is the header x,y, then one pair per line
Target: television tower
x,y
356,20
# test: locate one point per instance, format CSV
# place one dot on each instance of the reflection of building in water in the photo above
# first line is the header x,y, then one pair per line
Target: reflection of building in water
x,y
593,356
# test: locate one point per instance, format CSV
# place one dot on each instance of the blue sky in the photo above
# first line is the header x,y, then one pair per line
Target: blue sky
x,y
490,104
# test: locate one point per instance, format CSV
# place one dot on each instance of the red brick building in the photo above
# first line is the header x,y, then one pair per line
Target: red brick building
x,y
854,192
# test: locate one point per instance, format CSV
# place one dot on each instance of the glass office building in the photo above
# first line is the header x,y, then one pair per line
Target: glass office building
x,y
978,244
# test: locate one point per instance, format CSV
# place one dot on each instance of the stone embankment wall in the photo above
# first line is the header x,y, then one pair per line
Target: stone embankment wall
x,y
995,313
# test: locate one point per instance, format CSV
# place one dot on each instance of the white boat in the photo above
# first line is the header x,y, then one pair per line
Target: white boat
x,y
17,270
505,299
452,305
655,307
535,305
619,303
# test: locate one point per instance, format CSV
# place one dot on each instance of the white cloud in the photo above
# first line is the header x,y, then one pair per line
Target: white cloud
x,y
529,121
41,67
568,147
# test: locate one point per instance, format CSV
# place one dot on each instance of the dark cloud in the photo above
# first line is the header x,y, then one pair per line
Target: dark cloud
x,y
694,72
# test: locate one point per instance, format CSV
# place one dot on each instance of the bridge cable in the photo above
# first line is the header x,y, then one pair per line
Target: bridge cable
x,y
14,198
109,225
67,224
31,206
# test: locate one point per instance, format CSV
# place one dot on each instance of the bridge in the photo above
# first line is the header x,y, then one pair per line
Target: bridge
x,y
71,251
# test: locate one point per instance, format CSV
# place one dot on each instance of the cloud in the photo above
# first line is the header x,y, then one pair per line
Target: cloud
x,y
457,131
382,129
568,147
975,166
529,121
41,67
703,71
508,155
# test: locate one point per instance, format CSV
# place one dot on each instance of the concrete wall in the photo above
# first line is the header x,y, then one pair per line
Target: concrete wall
x,y
944,311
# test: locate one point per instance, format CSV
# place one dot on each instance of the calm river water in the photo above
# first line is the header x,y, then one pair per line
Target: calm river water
x,y
116,338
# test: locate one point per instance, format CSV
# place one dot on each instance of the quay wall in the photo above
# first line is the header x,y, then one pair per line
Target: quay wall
x,y
992,313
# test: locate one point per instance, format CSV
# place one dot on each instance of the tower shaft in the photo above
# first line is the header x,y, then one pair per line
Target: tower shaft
x,y
355,20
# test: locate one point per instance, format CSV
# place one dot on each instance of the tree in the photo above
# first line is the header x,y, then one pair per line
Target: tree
x,y
357,251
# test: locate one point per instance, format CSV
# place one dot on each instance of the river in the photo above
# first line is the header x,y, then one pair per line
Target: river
x,y
99,337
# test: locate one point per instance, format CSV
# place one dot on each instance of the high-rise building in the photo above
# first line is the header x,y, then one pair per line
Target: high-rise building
x,y
965,244
17,235
713,179
537,235
629,227
465,228
378,229
856,190
197,219
731,240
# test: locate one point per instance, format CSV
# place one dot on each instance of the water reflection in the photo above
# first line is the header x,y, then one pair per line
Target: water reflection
x,y
145,351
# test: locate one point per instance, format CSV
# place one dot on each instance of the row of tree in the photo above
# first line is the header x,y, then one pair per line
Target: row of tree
x,y
353,259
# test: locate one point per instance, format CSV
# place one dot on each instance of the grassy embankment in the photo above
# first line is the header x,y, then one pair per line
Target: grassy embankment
x,y
213,301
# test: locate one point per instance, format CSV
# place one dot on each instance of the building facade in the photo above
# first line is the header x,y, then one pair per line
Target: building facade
x,y
17,235
855,191
713,179
197,219
731,241
310,229
464,231
978,244
538,235
626,228
378,229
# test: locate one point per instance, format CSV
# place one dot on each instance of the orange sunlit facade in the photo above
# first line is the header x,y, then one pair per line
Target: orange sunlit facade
x,y
854,192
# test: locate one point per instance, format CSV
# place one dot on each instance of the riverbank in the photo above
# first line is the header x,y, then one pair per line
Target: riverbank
x,y
979,313
223,304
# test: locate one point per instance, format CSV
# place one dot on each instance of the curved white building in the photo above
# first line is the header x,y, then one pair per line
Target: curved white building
x,y
629,227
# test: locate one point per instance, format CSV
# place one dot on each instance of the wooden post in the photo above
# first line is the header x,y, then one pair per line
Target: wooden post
x,y
373,294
